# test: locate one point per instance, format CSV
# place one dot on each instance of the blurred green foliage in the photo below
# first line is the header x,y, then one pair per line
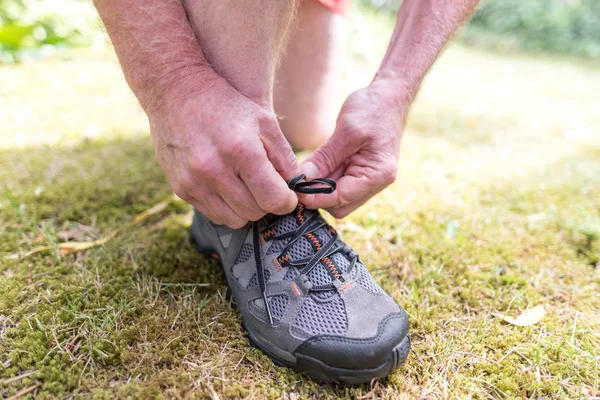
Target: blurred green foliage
x,y
565,26
33,28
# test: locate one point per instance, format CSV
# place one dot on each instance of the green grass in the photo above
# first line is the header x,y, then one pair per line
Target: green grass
x,y
496,209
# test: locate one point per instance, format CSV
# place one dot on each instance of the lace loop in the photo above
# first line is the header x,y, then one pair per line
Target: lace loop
x,y
307,187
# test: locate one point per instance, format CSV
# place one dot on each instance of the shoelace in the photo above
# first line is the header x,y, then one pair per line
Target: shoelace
x,y
309,226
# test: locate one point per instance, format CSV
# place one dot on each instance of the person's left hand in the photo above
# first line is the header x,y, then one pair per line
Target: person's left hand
x,y
362,153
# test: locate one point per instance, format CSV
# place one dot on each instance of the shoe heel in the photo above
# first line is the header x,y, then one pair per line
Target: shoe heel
x,y
202,243
205,251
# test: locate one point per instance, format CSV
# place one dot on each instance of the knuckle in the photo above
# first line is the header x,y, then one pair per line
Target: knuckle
x,y
389,174
277,205
239,149
203,165
338,213
359,133
236,223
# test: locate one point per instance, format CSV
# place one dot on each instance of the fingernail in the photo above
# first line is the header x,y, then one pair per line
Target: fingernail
x,y
310,170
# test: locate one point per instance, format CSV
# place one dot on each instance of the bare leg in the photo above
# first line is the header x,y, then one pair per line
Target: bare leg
x,y
307,84
243,41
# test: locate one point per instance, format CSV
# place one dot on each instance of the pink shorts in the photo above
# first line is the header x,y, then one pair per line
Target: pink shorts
x,y
338,6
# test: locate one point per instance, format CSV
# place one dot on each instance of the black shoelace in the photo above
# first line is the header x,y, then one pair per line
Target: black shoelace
x,y
309,226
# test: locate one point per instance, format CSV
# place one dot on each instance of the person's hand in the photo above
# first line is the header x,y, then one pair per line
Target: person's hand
x,y
362,153
221,152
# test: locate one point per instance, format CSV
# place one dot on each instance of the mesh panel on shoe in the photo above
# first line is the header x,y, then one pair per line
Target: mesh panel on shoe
x,y
277,246
321,318
319,275
254,280
340,261
366,280
244,254
301,249
322,235
278,304
285,225
291,274
222,230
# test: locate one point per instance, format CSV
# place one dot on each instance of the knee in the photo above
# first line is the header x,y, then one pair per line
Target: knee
x,y
309,131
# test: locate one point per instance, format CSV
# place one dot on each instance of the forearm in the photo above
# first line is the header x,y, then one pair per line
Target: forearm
x,y
155,44
422,29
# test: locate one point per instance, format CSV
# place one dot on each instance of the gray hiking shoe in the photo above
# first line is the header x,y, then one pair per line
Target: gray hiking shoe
x,y
305,298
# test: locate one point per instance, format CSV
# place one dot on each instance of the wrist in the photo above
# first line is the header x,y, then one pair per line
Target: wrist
x,y
400,87
156,85
397,92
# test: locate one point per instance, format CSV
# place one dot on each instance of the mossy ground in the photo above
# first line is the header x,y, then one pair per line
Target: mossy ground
x,y
496,209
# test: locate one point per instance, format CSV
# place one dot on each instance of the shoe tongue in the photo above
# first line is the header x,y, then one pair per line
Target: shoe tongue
x,y
308,244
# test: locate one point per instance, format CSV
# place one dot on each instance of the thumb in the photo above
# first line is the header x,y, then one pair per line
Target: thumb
x,y
327,159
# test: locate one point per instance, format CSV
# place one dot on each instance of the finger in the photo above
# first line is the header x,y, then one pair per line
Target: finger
x,y
328,158
342,212
267,186
307,199
278,149
351,189
197,204
343,195
219,208
235,193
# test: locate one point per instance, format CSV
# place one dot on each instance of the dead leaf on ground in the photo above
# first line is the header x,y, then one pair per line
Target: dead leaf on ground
x,y
67,247
30,252
155,209
528,317
71,247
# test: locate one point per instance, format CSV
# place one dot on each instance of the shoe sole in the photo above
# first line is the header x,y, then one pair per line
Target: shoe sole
x,y
313,367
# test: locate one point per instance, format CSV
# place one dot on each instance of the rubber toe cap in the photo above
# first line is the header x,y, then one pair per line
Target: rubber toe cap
x,y
352,353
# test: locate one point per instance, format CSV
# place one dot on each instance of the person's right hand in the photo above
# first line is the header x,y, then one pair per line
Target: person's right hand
x,y
221,152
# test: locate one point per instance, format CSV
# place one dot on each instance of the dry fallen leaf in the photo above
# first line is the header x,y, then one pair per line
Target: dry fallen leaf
x,y
155,209
67,247
30,252
71,247
528,317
